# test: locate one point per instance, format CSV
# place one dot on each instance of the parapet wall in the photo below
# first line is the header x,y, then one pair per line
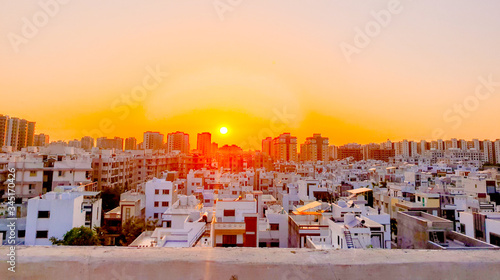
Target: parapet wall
x,y
246,263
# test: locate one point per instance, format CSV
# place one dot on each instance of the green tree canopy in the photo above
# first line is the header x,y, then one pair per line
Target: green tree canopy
x,y
133,227
81,236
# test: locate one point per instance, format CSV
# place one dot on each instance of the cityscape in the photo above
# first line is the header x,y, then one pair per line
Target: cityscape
x,y
356,196
263,139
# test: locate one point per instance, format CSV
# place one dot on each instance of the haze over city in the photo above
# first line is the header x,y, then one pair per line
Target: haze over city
x,y
237,67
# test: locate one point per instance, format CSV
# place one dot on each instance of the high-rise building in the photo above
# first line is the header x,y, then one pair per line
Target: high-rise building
x,y
204,143
463,145
75,143
105,143
423,146
413,148
496,148
22,134
30,138
267,146
4,125
152,140
178,141
351,150
285,148
13,133
215,148
41,140
131,143
377,152
440,145
333,152
87,143
489,156
314,149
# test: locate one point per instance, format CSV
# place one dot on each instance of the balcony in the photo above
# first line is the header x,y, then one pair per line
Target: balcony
x,y
229,226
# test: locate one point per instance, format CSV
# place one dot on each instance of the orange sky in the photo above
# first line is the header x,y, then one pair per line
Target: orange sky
x,y
74,76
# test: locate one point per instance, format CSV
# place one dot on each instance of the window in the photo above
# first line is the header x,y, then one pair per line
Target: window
x,y
275,226
61,173
88,216
21,233
127,213
42,234
275,244
157,191
494,239
229,240
169,224
32,173
155,215
157,203
207,200
166,191
164,204
235,192
4,234
229,213
31,186
43,214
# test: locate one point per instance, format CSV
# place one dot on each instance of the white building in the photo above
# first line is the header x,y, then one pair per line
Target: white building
x,y
235,223
160,194
57,212
483,226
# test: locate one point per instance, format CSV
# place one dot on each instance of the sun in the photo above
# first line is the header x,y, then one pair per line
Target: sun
x,y
223,130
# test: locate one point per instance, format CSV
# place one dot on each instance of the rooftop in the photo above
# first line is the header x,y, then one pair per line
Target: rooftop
x,y
247,263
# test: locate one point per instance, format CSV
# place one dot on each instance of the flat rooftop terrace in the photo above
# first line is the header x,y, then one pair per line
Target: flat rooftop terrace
x,y
52,262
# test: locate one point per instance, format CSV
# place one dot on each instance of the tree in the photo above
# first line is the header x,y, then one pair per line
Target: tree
x,y
82,236
133,227
110,198
394,227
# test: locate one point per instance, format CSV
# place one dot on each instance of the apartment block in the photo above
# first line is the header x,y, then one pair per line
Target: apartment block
x,y
204,143
160,195
55,213
284,148
178,141
131,143
152,140
314,149
41,140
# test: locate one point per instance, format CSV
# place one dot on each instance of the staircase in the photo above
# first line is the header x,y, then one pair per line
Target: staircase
x,y
348,239
434,237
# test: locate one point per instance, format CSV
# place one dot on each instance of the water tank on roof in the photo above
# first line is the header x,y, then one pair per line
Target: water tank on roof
x,y
182,200
191,200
